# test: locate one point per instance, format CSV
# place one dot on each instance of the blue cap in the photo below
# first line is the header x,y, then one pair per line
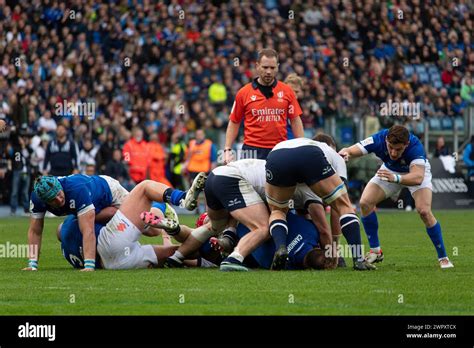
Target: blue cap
x,y
47,188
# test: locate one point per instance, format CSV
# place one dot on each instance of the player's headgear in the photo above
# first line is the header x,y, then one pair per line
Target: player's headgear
x,y
47,187
201,220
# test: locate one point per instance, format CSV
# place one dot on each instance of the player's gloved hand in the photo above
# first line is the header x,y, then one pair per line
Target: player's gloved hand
x,y
344,154
32,265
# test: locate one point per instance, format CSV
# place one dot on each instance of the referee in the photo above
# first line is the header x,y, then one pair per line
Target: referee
x,y
265,105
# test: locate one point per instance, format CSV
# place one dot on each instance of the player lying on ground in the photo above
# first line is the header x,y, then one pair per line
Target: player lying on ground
x,y
303,161
118,244
307,202
90,198
70,236
302,244
404,165
234,193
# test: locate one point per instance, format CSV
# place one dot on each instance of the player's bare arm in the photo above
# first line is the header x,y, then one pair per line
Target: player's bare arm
x,y
105,215
318,216
351,152
86,225
35,233
413,178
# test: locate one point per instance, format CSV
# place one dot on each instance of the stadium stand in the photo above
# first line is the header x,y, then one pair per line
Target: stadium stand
x,y
173,67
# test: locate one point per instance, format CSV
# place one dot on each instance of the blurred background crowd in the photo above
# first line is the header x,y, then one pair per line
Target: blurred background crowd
x,y
152,76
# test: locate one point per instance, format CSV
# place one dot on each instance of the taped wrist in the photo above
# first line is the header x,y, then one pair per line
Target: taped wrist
x,y
33,264
89,263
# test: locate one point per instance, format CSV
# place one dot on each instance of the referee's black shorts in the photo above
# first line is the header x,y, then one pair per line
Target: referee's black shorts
x,y
254,152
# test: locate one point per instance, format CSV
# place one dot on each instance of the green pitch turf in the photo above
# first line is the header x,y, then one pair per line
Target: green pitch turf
x,y
408,282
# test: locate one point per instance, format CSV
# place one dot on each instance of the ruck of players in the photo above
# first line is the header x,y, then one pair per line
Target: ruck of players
x,y
266,211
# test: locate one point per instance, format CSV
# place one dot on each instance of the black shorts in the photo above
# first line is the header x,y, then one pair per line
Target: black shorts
x,y
254,152
230,193
304,164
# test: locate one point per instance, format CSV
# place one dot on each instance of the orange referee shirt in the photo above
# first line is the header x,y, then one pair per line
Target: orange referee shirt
x,y
265,120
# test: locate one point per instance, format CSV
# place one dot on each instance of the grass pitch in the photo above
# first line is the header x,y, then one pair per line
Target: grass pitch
x,y
408,282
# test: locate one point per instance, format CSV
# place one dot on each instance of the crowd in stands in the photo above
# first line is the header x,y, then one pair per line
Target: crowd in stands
x,y
83,81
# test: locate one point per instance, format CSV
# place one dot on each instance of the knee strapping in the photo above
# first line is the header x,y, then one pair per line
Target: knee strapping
x,y
335,194
278,204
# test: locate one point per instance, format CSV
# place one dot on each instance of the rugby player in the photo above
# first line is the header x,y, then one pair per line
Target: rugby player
x,y
404,165
298,161
302,246
118,244
233,193
90,198
236,193
70,236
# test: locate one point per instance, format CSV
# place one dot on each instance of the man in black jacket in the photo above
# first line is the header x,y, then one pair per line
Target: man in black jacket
x,y
19,153
116,169
61,155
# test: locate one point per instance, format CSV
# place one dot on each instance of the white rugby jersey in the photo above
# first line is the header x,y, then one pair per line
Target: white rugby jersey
x,y
251,170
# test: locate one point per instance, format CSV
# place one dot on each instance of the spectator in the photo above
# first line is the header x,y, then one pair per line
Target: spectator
x,y
158,158
61,155
467,90
458,106
371,125
87,156
177,159
116,169
468,158
296,84
90,169
137,156
217,91
441,148
106,149
173,69
19,153
46,123
265,104
39,145
202,155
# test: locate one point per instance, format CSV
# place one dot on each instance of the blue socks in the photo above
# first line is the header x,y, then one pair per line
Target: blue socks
x,y
279,231
351,230
173,196
371,226
437,238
